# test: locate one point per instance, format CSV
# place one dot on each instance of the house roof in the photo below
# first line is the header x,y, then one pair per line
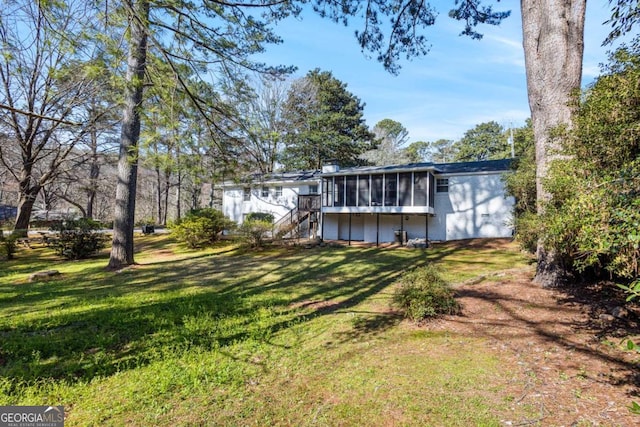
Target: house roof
x,y
298,176
438,168
474,167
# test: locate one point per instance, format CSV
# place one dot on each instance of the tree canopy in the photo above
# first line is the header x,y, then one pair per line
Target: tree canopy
x,y
390,138
323,121
486,141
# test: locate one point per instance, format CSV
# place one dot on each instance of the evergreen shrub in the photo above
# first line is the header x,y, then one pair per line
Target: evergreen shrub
x,y
8,246
201,227
77,238
254,232
423,293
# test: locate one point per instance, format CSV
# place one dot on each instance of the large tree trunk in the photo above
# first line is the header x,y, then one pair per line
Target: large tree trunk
x,y
158,195
26,198
553,34
94,174
25,206
124,219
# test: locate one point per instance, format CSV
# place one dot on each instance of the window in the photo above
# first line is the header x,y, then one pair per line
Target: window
x,y
352,191
265,191
404,189
363,190
432,190
327,192
442,185
246,194
420,184
376,190
339,201
279,191
313,189
390,189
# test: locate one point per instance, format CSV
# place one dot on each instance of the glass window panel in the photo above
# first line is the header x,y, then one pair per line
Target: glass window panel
x,y
420,185
363,190
327,192
390,189
404,189
376,190
339,191
432,189
442,185
352,191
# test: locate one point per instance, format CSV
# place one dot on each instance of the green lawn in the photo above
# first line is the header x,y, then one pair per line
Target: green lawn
x,y
285,336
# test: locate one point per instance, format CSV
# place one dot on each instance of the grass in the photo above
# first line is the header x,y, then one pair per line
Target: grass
x,y
284,336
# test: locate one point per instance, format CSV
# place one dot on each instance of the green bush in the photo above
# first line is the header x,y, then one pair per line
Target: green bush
x,y
77,238
254,232
201,228
260,216
8,246
423,293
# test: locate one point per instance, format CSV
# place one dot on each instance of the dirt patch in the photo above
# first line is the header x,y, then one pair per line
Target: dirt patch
x,y
563,348
490,244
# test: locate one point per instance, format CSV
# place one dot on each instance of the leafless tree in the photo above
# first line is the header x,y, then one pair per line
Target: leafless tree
x,y
43,88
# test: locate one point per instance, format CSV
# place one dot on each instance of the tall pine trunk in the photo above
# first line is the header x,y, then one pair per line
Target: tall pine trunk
x,y
553,34
94,174
124,218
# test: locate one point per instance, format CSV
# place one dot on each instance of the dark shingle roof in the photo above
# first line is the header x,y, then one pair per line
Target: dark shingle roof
x,y
437,168
444,168
286,176
470,167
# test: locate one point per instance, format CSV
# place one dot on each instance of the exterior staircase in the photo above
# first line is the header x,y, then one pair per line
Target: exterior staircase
x,y
299,219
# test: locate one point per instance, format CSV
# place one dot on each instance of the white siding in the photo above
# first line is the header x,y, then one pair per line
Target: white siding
x,y
234,206
475,206
330,226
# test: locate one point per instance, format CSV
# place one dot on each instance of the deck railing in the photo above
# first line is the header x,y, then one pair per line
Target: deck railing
x,y
289,224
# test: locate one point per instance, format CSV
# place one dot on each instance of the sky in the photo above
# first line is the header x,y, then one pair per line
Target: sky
x,y
459,84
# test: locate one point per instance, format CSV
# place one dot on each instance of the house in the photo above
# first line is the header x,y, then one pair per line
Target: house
x,y
379,204
8,212
279,194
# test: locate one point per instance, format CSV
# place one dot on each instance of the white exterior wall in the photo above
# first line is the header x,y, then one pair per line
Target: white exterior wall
x,y
475,206
235,208
365,226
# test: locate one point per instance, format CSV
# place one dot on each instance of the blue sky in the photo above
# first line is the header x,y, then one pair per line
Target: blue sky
x,y
459,84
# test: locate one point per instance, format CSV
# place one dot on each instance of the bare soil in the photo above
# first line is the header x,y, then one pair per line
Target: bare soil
x,y
565,348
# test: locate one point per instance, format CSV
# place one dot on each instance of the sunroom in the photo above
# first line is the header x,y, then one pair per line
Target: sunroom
x,y
378,204
363,191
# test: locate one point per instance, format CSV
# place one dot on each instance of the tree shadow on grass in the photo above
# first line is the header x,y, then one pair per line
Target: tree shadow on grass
x,y
89,325
519,322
